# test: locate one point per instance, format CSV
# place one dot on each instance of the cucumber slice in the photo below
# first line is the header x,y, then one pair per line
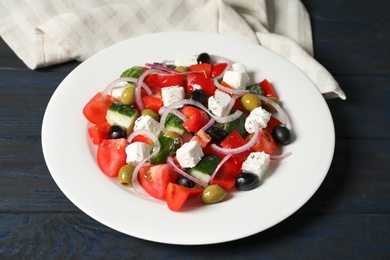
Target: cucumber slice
x,y
205,168
174,123
237,124
122,115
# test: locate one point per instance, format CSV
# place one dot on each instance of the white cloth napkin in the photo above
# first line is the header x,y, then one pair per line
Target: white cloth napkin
x,y
48,32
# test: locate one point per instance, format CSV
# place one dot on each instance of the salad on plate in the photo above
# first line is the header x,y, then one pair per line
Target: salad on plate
x,y
190,128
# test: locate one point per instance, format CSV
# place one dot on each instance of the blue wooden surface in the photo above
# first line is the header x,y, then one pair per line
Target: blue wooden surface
x,y
347,218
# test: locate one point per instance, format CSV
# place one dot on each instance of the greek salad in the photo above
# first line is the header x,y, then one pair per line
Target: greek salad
x,y
190,128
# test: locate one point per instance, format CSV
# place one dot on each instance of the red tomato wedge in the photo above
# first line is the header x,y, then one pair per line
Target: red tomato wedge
x,y
99,132
96,109
202,67
176,195
267,88
265,142
196,118
154,179
165,80
152,102
217,69
234,140
142,138
225,181
194,81
230,168
111,156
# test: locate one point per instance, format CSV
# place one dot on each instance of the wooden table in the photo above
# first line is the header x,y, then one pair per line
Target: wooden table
x,y
347,218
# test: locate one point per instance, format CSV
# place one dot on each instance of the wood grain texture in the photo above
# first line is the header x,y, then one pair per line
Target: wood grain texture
x,y
347,218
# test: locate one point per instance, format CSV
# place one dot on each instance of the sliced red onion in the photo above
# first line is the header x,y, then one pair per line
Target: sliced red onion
x,y
206,126
280,157
230,105
283,116
238,92
162,67
113,85
241,148
140,82
174,166
156,149
219,166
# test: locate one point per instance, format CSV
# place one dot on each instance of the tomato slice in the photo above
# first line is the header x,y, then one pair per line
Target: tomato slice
x,y
194,81
154,179
234,140
267,88
142,138
230,168
99,132
201,67
196,118
96,109
111,156
165,80
265,142
225,181
202,138
217,69
273,121
176,195
152,102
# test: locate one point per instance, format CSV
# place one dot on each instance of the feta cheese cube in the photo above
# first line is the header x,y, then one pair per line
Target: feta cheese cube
x,y
172,94
236,79
189,154
136,152
186,61
258,116
219,102
239,67
257,163
148,123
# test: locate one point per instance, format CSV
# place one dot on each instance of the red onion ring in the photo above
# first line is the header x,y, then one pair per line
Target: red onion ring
x,y
140,81
157,147
206,126
283,116
238,92
161,67
219,166
241,148
112,85
177,169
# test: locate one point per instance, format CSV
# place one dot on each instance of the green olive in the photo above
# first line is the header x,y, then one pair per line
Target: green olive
x,y
250,102
125,175
213,194
128,96
150,113
181,69
269,107
172,134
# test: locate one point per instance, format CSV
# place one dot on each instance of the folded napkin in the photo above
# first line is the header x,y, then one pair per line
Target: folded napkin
x,y
48,32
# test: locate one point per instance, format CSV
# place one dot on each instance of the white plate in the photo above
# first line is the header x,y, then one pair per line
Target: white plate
x,y
70,156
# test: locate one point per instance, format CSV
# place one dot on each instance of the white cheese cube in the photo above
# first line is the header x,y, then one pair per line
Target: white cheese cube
x,y
239,67
219,102
136,152
257,163
148,123
189,154
257,116
186,61
172,94
236,79
118,89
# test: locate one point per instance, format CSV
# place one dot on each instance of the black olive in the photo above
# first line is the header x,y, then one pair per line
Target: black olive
x,y
204,58
246,181
185,181
117,132
281,134
217,134
198,95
